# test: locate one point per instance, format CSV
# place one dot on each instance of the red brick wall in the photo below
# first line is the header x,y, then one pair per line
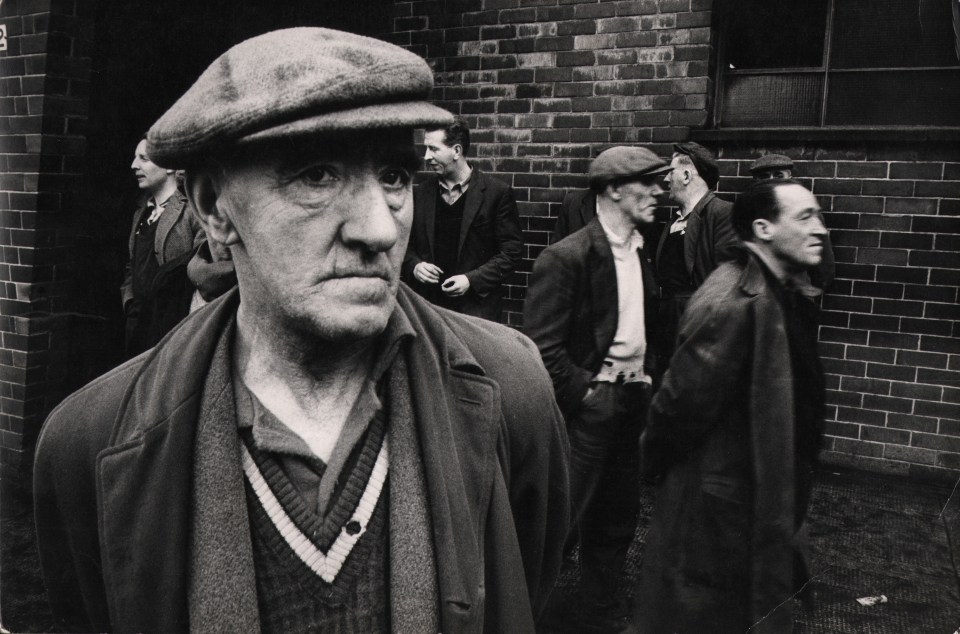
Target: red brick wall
x,y
547,84
43,103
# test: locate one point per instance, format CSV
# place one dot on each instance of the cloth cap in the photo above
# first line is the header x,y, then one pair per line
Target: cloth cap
x,y
623,162
294,82
771,161
703,159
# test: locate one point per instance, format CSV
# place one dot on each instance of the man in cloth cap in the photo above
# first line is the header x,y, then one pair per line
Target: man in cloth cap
x,y
319,449
780,166
693,244
590,309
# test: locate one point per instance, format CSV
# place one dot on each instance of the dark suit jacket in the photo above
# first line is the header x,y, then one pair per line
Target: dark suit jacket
x,y
571,310
577,209
709,239
490,241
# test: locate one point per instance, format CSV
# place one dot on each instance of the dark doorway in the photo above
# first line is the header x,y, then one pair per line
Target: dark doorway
x,y
144,56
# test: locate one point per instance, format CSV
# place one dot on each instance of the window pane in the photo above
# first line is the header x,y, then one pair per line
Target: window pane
x,y
765,34
772,100
893,33
894,98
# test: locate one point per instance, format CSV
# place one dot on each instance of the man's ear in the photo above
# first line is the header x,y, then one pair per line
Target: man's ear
x,y
762,229
203,193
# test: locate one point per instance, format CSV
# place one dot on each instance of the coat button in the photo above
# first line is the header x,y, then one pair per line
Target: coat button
x,y
353,527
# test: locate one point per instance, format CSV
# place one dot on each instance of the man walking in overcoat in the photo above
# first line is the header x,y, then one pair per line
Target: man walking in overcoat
x,y
734,431
318,450
590,309
466,238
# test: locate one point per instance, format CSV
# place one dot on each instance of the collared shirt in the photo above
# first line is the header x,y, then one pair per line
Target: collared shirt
x,y
451,192
680,224
626,353
315,480
156,209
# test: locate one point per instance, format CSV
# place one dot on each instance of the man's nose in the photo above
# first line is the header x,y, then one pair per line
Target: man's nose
x,y
657,189
819,229
371,221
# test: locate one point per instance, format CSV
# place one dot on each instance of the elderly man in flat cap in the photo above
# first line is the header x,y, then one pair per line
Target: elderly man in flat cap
x,y
590,309
781,167
697,241
319,449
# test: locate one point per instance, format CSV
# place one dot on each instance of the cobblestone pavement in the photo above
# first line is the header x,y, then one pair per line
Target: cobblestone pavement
x,y
871,536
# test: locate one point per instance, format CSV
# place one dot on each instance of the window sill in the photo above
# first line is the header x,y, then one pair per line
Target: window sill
x,y
917,134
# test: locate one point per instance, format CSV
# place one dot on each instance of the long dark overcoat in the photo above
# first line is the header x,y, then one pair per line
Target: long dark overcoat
x,y
722,546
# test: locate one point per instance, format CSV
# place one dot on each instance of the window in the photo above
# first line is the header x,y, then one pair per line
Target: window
x,y
838,63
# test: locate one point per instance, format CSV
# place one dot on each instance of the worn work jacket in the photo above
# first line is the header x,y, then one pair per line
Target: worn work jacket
x,y
114,461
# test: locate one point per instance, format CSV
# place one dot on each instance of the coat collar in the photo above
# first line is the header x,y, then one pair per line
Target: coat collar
x,y
144,475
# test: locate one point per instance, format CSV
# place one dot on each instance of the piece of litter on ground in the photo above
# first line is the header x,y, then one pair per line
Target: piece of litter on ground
x,y
868,601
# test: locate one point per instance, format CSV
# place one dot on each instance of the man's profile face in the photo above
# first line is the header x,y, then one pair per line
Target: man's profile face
x,y
774,172
150,176
323,224
673,180
638,201
797,234
439,157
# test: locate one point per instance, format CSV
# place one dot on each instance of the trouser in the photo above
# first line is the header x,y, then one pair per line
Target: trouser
x,y
604,477
668,324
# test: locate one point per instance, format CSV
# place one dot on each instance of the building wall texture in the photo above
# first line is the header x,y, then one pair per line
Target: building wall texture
x,y
547,84
43,100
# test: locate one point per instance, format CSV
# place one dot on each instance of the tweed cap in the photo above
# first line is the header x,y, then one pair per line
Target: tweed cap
x,y
770,162
294,82
703,159
623,162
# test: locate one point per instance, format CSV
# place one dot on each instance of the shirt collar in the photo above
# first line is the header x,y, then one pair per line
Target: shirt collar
x,y
633,241
460,185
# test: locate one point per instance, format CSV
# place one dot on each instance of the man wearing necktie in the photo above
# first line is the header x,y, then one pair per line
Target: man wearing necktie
x,y
156,292
694,243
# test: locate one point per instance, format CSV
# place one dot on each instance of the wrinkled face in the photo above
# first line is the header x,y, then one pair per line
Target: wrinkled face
x,y
322,225
440,157
796,236
774,172
638,200
150,176
673,180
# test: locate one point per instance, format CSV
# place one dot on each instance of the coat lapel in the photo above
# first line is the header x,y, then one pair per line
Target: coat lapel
x,y
426,210
165,224
603,285
694,226
457,413
144,480
471,207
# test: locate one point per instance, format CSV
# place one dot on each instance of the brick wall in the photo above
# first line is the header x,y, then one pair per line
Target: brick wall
x,y
890,335
547,84
43,100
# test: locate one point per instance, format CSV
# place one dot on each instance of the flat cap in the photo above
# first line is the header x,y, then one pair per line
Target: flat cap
x,y
622,162
294,82
770,162
703,159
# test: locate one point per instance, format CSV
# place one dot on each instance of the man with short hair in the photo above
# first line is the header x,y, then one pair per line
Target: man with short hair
x,y
780,166
734,431
590,309
466,238
155,291
697,241
319,449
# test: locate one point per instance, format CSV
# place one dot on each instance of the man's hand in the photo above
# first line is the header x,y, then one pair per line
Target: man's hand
x,y
456,286
427,273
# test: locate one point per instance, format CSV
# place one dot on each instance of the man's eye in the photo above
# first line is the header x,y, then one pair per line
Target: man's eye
x,y
395,178
317,175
